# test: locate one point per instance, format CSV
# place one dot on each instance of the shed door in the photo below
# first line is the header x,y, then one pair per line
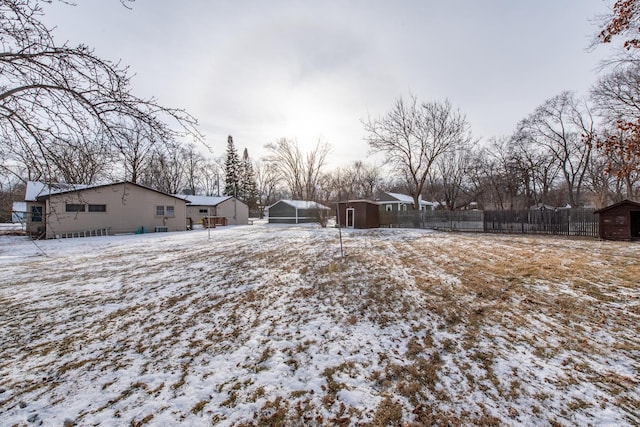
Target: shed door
x,y
350,217
635,225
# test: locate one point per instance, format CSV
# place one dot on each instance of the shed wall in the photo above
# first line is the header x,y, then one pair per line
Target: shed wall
x,y
366,214
236,212
620,222
282,213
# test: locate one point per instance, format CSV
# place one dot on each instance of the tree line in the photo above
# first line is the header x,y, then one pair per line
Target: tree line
x,y
67,115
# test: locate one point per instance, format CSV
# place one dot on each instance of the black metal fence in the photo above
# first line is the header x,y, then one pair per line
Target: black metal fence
x,y
568,222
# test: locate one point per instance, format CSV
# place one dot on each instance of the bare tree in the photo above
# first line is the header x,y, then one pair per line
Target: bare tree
x,y
450,173
616,96
314,163
563,127
55,99
536,168
209,176
267,182
357,180
81,161
135,146
412,136
166,172
497,175
192,162
299,172
11,190
604,187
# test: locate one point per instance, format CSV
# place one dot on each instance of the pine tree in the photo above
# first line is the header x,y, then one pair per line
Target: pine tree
x,y
248,187
232,170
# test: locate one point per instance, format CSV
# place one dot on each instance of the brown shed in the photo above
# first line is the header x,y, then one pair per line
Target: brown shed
x,y
620,221
359,214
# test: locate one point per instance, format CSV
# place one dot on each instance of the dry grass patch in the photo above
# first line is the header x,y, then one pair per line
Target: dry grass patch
x,y
409,329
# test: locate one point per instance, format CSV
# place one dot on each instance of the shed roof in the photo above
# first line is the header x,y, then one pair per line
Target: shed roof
x,y
302,204
617,205
203,200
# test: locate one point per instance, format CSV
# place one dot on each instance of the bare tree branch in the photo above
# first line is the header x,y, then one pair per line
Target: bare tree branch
x,y
413,136
52,95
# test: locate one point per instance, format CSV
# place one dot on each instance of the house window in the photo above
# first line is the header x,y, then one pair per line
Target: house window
x,y
36,213
97,208
404,208
170,211
203,211
74,207
389,208
159,210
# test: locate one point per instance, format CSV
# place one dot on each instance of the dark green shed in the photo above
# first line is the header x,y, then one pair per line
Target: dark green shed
x,y
296,212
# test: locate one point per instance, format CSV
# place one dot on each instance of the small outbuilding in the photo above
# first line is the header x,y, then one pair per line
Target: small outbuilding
x,y
297,212
359,214
224,210
620,221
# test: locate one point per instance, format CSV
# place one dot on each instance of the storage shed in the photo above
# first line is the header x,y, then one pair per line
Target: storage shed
x,y
296,212
228,210
359,214
620,221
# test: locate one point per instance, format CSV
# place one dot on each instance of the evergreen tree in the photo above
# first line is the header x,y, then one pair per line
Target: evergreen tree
x,y
232,170
248,188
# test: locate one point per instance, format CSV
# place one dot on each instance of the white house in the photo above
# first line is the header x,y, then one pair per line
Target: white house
x,y
397,202
65,210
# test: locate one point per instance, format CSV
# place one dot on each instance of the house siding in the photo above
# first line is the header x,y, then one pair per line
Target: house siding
x,y
387,200
128,208
193,212
33,226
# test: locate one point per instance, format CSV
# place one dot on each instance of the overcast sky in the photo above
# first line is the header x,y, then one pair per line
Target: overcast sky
x,y
262,70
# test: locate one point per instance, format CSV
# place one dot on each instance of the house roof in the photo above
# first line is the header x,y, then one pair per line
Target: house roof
x,y
373,202
541,206
401,197
38,190
19,207
203,200
405,198
615,205
302,204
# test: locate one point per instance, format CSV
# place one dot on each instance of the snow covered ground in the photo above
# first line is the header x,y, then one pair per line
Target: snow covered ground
x,y
268,325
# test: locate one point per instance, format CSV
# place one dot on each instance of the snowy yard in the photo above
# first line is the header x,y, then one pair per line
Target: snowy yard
x,y
267,325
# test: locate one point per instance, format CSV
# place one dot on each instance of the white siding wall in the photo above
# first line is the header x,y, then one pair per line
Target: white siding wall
x,y
128,207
